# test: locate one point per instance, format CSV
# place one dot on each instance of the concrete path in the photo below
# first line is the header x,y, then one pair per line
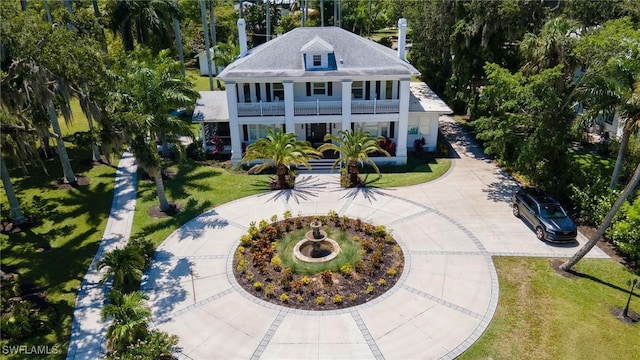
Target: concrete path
x,y
88,330
448,230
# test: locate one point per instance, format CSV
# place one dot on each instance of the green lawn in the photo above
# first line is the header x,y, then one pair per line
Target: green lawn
x,y
196,189
416,171
542,315
201,83
72,223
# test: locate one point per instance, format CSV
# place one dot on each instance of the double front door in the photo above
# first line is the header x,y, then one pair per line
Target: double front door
x,y
316,133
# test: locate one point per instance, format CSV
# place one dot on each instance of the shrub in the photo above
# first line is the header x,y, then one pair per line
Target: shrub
x,y
327,277
346,269
144,247
195,151
305,280
276,263
382,282
392,272
242,266
320,300
369,289
156,345
287,214
257,286
625,233
270,289
284,297
300,298
241,249
337,299
352,297
274,218
245,240
249,275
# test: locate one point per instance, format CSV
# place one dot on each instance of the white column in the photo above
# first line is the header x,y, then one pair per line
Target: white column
x,y
234,125
202,136
403,121
288,106
346,104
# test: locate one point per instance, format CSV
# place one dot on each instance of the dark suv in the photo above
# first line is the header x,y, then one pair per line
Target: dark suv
x,y
545,214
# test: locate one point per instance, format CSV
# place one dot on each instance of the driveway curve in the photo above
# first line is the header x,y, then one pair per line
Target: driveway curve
x,y
448,230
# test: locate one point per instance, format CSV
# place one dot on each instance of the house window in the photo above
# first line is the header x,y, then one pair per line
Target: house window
x,y
247,92
256,131
608,117
374,128
389,89
357,90
317,60
278,91
319,88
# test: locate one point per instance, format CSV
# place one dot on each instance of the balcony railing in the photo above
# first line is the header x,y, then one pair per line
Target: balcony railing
x,y
318,107
261,109
375,106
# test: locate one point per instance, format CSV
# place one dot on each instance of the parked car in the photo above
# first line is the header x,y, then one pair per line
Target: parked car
x,y
545,214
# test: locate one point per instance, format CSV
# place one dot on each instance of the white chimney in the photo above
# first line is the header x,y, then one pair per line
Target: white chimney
x,y
402,38
242,37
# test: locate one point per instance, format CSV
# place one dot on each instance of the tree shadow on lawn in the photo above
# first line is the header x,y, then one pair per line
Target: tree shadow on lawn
x,y
572,273
192,209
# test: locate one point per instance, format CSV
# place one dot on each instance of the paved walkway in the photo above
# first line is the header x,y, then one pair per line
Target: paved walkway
x,y
88,330
448,229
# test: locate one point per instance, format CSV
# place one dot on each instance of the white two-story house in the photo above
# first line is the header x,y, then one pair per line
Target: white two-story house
x,y
317,81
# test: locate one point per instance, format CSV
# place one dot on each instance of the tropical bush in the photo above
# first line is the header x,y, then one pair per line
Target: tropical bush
x,y
625,232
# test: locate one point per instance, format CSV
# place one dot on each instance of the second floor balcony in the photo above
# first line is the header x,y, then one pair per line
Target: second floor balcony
x,y
318,107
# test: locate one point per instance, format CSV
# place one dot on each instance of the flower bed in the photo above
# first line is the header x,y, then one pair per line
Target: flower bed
x,y
370,263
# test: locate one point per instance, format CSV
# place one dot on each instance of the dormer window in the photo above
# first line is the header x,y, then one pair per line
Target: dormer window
x,y
318,55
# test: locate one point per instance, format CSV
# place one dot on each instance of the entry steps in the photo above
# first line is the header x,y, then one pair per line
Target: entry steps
x,y
320,166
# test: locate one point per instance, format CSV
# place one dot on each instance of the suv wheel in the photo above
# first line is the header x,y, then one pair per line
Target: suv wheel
x,y
539,233
516,210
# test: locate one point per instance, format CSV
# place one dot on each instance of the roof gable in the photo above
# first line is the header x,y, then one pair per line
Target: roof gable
x,y
316,45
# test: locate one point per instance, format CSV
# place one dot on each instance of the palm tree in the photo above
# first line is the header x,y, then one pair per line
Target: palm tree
x,y
17,216
553,46
282,150
143,20
224,54
628,190
354,148
124,266
130,319
152,88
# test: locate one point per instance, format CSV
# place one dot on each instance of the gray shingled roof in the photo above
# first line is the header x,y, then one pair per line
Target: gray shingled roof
x,y
281,57
423,99
211,106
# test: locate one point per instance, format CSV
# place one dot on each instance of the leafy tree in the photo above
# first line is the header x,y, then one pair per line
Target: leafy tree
x,y
525,124
611,83
129,317
124,266
593,240
280,150
257,23
354,148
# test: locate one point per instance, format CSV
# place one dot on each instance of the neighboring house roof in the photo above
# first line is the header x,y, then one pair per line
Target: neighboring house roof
x,y
211,106
281,58
423,99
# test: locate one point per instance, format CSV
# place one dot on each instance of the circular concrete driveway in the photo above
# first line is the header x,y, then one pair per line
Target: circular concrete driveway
x,y
448,292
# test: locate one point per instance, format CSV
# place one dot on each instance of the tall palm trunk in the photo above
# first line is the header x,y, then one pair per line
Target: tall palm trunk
x,y
268,19
98,15
214,41
69,176
48,11
14,205
624,143
163,203
176,29
628,190
207,49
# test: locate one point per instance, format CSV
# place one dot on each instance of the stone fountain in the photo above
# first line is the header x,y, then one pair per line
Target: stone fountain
x,y
316,246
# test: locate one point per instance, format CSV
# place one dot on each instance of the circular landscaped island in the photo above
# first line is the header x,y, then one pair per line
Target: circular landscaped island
x,y
317,262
